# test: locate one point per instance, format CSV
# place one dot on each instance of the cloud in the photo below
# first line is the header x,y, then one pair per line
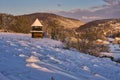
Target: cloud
x,y
59,5
95,8
91,17
106,11
81,14
112,2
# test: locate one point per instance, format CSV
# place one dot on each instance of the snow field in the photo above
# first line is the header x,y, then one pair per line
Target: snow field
x,y
24,58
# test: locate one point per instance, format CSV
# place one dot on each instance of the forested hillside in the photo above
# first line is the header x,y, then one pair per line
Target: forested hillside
x,y
90,32
23,23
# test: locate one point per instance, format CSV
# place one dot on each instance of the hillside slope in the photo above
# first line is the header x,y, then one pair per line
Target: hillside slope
x,y
46,18
24,58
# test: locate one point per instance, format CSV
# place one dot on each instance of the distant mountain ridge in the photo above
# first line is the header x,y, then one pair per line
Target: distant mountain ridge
x,y
106,27
22,23
98,23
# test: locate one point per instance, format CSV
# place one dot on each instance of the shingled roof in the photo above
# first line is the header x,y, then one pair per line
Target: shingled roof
x,y
37,23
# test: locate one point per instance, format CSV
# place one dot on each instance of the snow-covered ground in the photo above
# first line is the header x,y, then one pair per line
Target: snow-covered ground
x,y
115,50
24,58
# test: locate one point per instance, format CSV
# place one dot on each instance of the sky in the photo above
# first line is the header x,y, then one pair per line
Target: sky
x,y
86,10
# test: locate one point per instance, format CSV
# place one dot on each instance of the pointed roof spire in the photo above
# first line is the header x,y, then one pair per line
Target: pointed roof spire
x,y
37,23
